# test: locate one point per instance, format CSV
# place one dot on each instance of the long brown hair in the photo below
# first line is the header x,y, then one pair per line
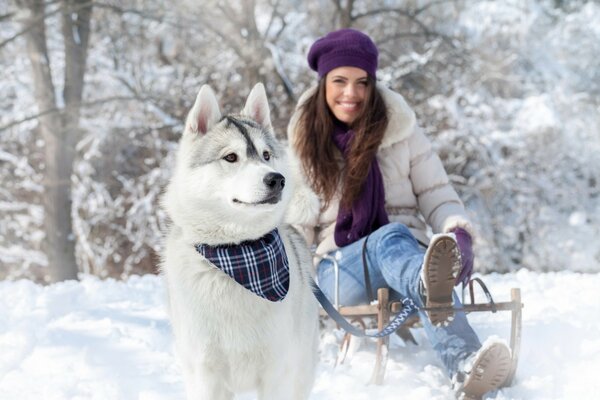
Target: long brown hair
x,y
320,156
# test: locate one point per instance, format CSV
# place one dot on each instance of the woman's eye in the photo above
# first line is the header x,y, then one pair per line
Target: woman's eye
x,y
231,157
266,155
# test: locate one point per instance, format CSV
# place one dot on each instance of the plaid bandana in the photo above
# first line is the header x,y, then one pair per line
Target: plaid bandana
x,y
261,266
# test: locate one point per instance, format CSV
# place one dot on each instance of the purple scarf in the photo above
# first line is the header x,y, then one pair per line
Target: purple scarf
x,y
368,211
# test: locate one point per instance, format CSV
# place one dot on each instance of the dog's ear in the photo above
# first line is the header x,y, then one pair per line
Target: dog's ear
x,y
205,113
257,106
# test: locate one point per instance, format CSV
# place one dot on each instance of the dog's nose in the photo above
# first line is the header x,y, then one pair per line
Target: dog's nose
x,y
275,181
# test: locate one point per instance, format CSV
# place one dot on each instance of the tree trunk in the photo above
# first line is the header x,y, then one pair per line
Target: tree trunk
x,y
76,30
60,130
344,13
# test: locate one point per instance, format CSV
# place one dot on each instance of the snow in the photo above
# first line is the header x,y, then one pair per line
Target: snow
x,y
108,339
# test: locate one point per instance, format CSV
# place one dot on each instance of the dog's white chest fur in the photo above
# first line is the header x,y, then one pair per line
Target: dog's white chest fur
x,y
238,335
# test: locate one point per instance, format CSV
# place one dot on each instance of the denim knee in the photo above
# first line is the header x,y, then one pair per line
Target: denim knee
x,y
396,227
394,230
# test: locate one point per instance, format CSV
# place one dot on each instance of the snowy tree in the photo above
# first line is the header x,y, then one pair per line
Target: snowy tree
x,y
58,119
508,99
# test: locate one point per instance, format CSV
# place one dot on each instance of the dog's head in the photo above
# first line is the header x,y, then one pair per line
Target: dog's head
x,y
230,179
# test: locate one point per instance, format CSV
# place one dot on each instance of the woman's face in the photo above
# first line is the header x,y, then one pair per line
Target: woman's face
x,y
345,92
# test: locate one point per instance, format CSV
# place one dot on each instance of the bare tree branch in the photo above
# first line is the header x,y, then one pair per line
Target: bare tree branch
x,y
225,37
338,7
410,14
431,4
287,84
112,7
280,31
88,104
7,16
34,22
229,13
121,10
274,14
400,35
76,34
343,13
385,10
337,4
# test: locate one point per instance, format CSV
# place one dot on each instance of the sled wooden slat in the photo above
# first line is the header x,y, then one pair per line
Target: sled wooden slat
x,y
383,308
383,317
515,334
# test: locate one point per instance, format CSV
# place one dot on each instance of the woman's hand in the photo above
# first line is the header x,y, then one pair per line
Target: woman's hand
x,y
465,245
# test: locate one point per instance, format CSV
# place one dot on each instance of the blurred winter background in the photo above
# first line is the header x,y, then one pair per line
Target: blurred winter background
x,y
92,98
94,94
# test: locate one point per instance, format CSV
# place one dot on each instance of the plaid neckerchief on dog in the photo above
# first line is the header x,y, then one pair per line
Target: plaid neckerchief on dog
x,y
261,265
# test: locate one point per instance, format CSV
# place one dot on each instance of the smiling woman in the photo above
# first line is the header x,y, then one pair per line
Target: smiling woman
x,y
381,184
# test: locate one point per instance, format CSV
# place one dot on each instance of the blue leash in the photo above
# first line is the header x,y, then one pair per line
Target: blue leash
x,y
408,307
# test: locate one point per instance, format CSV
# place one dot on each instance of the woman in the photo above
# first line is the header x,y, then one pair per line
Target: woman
x,y
379,182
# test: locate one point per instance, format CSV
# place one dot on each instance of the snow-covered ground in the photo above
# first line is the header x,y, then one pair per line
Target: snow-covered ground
x,y
112,340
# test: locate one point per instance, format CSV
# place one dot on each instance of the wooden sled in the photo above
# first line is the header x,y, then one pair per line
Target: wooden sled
x,y
383,308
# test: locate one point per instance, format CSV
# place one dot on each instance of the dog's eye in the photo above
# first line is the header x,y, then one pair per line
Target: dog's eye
x,y
266,155
231,157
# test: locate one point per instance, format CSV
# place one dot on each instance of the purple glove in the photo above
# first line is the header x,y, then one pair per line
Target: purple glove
x,y
465,245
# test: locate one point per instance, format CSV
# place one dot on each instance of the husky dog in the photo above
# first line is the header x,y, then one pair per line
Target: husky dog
x,y
231,187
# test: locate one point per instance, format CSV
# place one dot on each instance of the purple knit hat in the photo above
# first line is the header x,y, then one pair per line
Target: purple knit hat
x,y
343,48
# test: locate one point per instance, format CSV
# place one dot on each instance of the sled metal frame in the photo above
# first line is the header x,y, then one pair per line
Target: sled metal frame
x,y
383,308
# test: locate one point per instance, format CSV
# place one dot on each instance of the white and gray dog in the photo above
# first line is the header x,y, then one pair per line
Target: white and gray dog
x,y
238,279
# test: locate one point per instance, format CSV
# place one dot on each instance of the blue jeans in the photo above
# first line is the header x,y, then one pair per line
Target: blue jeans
x,y
395,260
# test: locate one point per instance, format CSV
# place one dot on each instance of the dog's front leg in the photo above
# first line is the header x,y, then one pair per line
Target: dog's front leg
x,y
277,386
204,384
276,391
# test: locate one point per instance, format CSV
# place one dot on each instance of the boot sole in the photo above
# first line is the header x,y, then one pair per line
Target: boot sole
x,y
488,373
441,264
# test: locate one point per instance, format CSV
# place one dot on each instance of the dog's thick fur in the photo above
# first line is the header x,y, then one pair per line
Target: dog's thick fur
x,y
227,338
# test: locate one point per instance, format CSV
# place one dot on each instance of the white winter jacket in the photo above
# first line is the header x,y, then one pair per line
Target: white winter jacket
x,y
417,191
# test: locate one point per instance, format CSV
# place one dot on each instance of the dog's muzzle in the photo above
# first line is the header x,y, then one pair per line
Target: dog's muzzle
x,y
275,182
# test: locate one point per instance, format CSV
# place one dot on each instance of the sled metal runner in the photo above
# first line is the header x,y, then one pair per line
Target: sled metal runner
x,y
382,309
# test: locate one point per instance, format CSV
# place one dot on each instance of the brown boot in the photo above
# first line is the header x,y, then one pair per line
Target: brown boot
x,y
440,268
489,370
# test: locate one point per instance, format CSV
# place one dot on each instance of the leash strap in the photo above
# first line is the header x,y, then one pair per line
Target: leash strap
x,y
368,287
408,308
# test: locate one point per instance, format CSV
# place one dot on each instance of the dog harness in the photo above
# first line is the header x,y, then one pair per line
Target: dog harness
x,y
260,266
